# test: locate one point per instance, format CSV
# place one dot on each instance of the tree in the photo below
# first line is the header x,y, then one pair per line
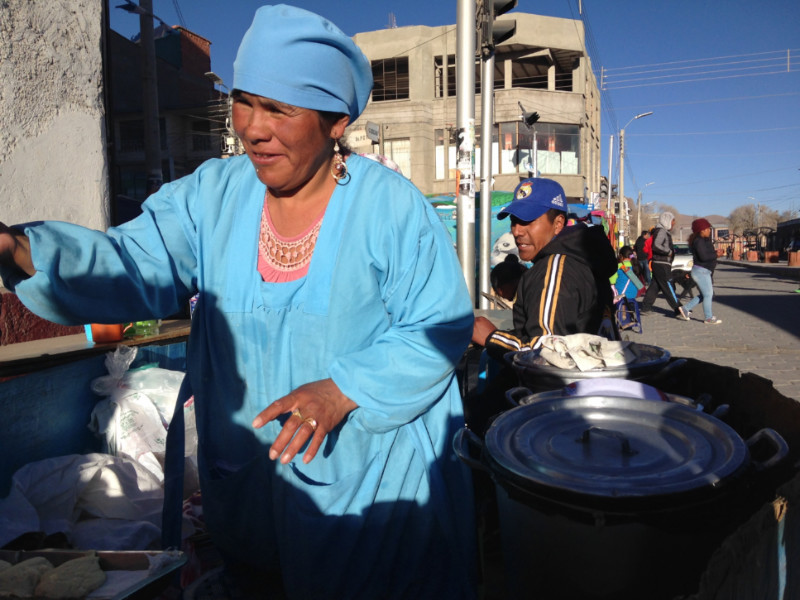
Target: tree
x,y
668,208
742,218
749,217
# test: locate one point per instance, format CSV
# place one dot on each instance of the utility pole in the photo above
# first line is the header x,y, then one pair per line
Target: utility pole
x,y
152,133
639,211
622,170
610,205
465,152
492,33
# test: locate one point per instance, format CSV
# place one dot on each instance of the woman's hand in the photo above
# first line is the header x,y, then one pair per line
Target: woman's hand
x,y
316,407
481,330
15,249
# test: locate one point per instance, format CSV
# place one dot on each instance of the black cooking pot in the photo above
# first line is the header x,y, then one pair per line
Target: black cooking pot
x,y
535,373
612,497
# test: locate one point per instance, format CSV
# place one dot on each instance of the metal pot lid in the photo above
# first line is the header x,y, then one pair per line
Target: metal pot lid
x,y
613,447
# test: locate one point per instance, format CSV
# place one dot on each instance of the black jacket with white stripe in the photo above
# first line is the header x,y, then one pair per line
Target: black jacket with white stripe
x,y
566,291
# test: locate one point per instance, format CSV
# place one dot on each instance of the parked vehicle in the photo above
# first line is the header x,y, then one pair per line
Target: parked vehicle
x,y
682,264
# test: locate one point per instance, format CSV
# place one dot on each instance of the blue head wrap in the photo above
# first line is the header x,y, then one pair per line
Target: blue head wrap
x,y
295,56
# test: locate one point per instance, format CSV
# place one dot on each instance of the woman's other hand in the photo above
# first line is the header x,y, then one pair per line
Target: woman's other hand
x,y
316,409
15,249
481,330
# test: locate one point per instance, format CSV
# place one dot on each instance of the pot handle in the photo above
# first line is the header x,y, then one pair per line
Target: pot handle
x,y
513,395
625,443
779,444
668,370
462,442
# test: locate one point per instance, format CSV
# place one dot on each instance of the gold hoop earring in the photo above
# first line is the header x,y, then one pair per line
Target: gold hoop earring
x,y
338,167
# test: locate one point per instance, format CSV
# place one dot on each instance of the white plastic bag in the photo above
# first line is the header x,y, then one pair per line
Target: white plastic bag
x,y
134,418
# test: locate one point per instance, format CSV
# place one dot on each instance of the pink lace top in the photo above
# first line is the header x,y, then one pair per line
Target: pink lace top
x,y
283,259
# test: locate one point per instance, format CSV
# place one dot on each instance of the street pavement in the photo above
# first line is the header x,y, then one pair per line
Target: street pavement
x,y
760,329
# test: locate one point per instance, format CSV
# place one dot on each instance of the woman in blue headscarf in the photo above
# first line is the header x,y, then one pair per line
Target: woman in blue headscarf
x,y
321,353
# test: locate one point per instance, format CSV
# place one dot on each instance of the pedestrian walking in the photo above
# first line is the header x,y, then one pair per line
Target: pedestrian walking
x,y
705,261
663,251
641,256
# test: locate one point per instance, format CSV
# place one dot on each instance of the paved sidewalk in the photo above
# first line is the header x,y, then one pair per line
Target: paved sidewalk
x,y
760,329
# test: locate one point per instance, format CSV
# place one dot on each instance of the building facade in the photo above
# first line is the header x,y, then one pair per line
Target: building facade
x,y
544,68
192,113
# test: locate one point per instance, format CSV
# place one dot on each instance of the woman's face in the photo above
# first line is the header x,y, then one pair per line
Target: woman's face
x,y
706,232
288,146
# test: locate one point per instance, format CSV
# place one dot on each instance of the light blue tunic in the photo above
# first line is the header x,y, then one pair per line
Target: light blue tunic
x,y
385,509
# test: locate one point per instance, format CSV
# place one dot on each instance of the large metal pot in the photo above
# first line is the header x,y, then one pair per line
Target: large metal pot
x,y
612,497
535,373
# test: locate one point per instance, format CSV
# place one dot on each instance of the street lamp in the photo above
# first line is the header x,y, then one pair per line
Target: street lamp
x,y
215,79
622,171
639,206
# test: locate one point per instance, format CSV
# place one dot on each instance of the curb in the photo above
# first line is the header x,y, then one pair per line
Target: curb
x,y
777,269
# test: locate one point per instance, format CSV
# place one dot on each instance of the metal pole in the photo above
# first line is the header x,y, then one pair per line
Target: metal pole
x,y
610,199
638,214
487,123
465,122
152,133
621,183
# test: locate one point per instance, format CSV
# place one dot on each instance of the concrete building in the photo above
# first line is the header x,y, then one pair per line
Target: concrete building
x,y
192,113
544,67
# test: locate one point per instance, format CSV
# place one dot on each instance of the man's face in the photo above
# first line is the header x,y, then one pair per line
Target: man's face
x,y
532,236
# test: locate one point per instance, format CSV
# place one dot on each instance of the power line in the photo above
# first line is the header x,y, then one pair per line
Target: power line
x,y
178,12
702,59
738,69
711,100
716,132
716,154
778,61
625,87
737,176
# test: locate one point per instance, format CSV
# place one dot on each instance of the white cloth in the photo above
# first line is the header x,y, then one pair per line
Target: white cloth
x,y
585,351
65,493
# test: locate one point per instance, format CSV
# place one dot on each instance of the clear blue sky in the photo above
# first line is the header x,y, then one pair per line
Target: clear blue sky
x,y
716,140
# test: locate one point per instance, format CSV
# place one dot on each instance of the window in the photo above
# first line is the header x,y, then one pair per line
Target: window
x,y
400,152
131,135
438,138
391,79
201,136
445,76
557,148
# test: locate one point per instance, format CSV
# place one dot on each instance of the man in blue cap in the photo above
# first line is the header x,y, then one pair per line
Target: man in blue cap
x,y
567,289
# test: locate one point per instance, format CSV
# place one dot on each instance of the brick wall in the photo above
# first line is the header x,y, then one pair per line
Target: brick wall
x,y
18,324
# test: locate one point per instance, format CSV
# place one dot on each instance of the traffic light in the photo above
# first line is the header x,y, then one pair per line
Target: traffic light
x,y
496,32
604,188
528,118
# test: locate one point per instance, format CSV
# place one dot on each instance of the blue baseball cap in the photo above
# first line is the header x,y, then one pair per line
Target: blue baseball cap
x,y
533,197
298,57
